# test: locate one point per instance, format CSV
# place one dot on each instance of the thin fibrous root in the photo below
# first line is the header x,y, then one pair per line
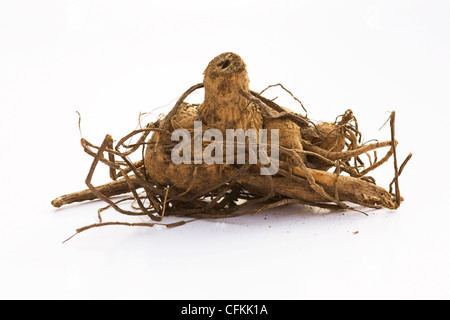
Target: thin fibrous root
x,y
129,224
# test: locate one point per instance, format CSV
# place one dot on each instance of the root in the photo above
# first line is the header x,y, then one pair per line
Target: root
x,y
324,169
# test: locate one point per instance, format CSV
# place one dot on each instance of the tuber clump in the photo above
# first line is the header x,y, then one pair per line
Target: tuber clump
x,y
237,152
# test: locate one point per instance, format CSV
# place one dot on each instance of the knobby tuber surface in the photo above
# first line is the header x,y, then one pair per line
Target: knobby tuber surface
x,y
320,164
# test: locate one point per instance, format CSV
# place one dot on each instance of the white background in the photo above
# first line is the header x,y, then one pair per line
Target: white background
x,y
110,60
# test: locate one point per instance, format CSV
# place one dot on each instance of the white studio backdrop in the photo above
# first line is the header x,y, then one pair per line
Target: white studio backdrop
x,y
111,60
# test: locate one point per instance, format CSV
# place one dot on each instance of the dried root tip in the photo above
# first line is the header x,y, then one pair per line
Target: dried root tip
x,y
58,202
384,200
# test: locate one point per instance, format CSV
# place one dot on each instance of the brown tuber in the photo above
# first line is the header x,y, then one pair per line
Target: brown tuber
x,y
320,164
